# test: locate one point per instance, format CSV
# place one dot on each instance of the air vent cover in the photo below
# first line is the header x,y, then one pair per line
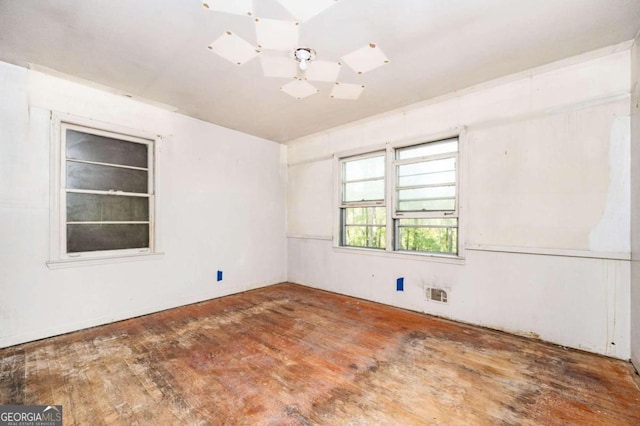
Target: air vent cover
x,y
436,294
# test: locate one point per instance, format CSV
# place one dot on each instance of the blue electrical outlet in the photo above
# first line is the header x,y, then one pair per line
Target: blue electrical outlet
x,y
219,276
400,284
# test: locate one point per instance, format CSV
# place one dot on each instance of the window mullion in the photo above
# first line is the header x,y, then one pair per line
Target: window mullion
x,y
98,163
430,185
371,203
371,179
390,182
62,191
110,192
110,222
425,158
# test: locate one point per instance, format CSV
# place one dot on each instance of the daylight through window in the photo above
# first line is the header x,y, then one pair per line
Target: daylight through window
x,y
362,211
424,210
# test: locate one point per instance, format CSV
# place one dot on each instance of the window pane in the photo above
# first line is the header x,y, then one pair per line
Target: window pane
x,y
433,198
430,192
428,235
431,148
365,236
94,208
366,168
101,149
364,191
427,167
427,179
432,222
365,215
105,178
364,227
427,205
82,238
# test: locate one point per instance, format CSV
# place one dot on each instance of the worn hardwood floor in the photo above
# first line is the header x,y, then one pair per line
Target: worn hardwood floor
x,y
290,355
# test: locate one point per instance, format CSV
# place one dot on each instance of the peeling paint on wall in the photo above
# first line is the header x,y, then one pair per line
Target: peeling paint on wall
x,y
544,182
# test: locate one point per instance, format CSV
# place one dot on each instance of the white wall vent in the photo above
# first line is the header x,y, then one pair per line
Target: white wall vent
x,y
436,294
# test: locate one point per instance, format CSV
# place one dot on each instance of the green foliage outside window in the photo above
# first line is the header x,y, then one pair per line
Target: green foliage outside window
x,y
424,206
366,236
428,235
365,227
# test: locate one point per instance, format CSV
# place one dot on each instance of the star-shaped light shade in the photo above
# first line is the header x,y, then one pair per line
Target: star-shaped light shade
x,y
275,34
278,67
366,58
299,89
303,10
347,91
236,7
322,71
233,48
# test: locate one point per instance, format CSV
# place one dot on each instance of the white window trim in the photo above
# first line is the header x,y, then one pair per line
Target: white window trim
x,y
374,203
397,215
390,147
58,258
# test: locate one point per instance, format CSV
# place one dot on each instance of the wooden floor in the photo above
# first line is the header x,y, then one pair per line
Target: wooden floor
x,y
290,355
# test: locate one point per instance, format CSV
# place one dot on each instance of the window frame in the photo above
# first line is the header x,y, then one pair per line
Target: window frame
x,y
390,201
397,214
343,205
59,257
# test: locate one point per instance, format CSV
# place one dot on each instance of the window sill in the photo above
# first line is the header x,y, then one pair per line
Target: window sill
x,y
92,261
457,260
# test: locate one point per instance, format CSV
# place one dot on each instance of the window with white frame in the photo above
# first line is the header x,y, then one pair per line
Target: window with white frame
x,y
362,208
423,211
105,192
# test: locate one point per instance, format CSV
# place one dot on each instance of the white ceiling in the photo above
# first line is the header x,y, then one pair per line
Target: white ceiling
x,y
158,50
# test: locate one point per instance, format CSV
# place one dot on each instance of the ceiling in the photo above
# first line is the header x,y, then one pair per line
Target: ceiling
x,y
157,50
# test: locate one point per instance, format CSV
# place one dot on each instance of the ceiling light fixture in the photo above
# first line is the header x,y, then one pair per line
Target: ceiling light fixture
x,y
275,45
304,55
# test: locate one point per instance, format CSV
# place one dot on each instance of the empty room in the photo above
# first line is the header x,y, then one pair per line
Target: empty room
x,y
319,212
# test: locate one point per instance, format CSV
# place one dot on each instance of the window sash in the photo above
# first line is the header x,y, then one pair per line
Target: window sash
x,y
421,235
372,233
364,180
98,237
350,190
432,149
85,208
446,187
104,148
148,194
430,197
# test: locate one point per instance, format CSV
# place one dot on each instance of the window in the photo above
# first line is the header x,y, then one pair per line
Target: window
x,y
362,209
105,187
423,212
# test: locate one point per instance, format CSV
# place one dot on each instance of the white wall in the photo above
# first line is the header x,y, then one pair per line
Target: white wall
x,y
221,205
545,206
635,203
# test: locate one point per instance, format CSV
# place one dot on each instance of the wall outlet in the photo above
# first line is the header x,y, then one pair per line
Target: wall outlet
x,y
219,276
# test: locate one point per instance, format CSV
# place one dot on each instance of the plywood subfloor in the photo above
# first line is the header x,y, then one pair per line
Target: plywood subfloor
x,y
290,355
